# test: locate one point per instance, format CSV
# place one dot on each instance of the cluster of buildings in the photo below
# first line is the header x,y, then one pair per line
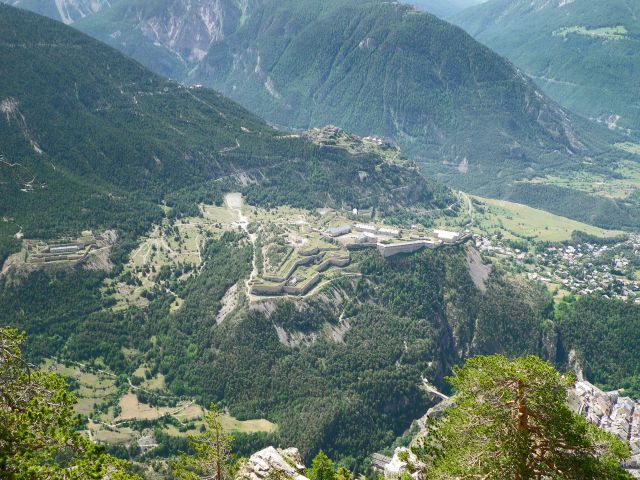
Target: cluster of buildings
x,y
614,413
72,251
390,241
365,232
371,233
584,268
379,142
299,277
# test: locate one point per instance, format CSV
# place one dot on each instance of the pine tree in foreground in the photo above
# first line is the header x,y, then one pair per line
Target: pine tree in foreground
x,y
510,420
212,457
321,468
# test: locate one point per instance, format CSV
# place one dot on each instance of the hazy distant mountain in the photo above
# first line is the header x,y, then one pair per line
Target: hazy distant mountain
x,y
380,68
67,11
585,54
168,36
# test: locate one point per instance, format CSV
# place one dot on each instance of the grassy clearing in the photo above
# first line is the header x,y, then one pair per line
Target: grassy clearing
x,y
132,409
522,221
280,215
231,424
607,33
615,188
220,215
121,435
628,147
156,383
92,387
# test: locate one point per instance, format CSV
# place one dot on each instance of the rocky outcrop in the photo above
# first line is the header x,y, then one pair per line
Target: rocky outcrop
x,y
170,37
189,27
613,413
272,462
404,461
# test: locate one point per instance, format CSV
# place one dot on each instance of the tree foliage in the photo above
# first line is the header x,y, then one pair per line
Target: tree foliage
x,y
510,420
322,468
212,452
598,330
38,428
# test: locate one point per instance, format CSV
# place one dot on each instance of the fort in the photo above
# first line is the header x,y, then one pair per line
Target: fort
x,y
296,281
72,251
303,268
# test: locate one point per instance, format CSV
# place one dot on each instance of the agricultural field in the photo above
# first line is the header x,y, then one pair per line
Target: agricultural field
x,y
90,388
606,33
112,411
620,187
514,220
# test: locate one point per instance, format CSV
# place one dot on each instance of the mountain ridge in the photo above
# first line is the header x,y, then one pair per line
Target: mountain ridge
x,y
88,136
467,116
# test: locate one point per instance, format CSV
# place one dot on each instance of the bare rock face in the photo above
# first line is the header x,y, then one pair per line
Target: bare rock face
x,y
67,11
404,461
189,27
265,463
615,414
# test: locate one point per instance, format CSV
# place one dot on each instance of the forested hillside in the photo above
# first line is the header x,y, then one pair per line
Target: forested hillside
x,y
598,330
90,139
349,393
385,69
464,113
583,54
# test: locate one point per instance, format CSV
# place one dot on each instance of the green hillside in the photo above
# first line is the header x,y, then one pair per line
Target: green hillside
x,y
462,112
377,68
585,55
349,393
90,139
387,70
